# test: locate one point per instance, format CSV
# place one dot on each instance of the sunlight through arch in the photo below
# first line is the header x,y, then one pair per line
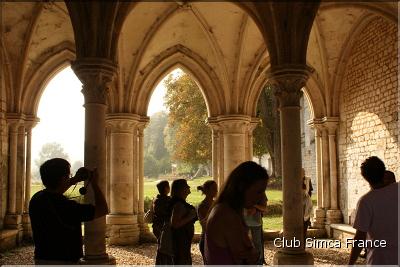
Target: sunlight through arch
x,y
62,120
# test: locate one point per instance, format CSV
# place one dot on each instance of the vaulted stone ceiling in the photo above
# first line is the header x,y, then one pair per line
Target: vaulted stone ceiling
x,y
217,42
221,35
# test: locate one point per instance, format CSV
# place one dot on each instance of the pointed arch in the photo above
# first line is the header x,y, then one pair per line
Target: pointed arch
x,y
59,60
6,75
378,8
254,81
171,58
337,80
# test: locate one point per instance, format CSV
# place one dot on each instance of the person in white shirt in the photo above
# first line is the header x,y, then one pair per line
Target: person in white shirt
x,y
377,217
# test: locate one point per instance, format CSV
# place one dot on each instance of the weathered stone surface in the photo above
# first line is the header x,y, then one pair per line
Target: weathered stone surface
x,y
368,110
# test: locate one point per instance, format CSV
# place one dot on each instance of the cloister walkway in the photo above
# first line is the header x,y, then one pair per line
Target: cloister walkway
x,y
144,254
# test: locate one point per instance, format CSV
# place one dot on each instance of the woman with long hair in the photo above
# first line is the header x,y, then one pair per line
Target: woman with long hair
x,y
210,190
226,239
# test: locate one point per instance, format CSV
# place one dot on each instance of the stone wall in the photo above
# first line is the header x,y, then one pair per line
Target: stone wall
x,y
308,143
369,109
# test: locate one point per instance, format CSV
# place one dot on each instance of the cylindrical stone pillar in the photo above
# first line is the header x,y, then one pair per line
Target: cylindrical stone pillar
x,y
12,173
141,126
221,161
287,84
96,74
215,154
122,221
21,168
26,224
234,128
333,214
215,128
320,213
12,220
28,169
326,203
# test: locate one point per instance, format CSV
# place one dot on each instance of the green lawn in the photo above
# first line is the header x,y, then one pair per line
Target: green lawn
x,y
272,222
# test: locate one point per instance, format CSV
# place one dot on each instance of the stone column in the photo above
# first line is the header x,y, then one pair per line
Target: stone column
x,y
21,168
234,129
287,83
216,150
135,162
326,203
96,75
108,162
12,219
141,126
215,154
220,159
320,213
25,217
122,220
333,214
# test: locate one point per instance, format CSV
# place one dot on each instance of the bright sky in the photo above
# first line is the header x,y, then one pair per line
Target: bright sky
x,y
62,114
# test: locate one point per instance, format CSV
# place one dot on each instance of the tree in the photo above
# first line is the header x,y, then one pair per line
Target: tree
x,y
187,117
267,134
49,151
260,136
156,156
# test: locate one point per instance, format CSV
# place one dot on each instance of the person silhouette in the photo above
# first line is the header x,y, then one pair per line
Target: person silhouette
x,y
55,219
210,190
377,216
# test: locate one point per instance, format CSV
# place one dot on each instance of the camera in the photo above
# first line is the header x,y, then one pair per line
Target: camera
x,y
84,174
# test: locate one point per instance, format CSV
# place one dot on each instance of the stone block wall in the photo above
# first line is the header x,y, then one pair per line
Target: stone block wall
x,y
369,109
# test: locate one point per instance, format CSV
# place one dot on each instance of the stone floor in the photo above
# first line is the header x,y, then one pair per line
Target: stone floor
x,y
145,254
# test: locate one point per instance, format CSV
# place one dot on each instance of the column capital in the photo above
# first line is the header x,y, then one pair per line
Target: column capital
x,y
331,124
254,123
122,122
287,81
143,122
96,75
213,123
233,123
31,122
14,120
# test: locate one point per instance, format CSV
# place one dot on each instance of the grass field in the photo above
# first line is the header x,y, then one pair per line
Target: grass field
x,y
272,222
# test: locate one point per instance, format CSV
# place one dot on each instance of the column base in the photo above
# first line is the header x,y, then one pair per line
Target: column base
x,y
26,225
14,222
122,230
293,258
98,260
319,219
334,216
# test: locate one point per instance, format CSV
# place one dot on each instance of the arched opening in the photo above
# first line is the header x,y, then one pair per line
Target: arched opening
x,y
60,132
177,141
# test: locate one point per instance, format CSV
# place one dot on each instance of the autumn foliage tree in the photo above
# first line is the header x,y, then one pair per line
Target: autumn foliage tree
x,y
187,136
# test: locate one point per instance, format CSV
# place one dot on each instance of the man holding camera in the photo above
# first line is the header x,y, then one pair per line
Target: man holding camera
x,y
56,220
